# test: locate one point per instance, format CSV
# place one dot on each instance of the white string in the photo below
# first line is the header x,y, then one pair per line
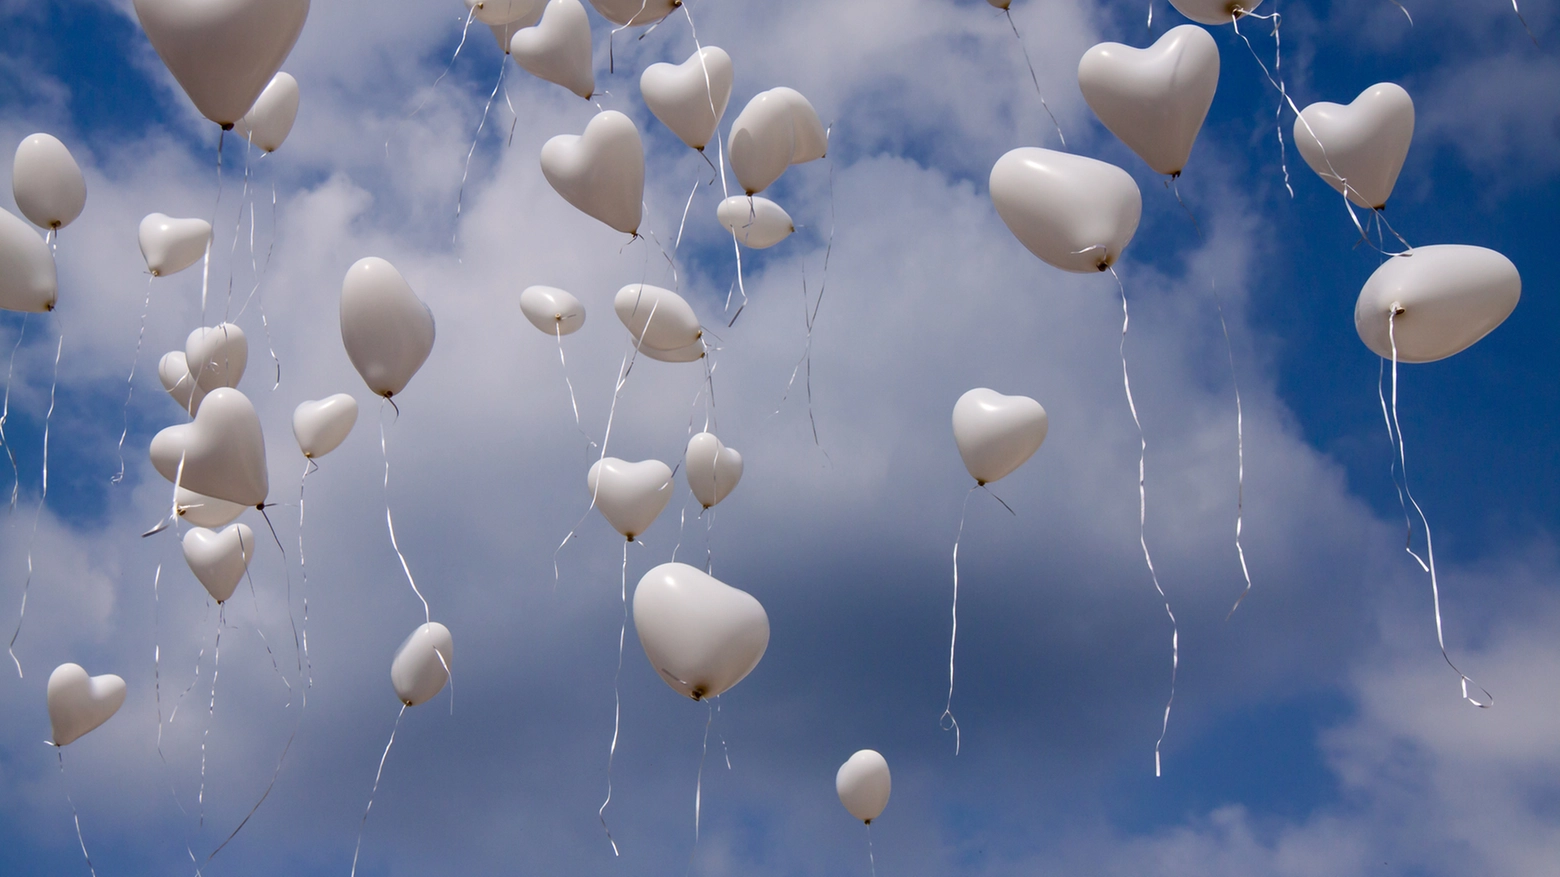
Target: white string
x,y
1240,452
953,638
43,497
377,774
390,522
303,565
76,817
698,786
130,381
466,28
617,706
871,857
211,715
1036,79
460,195
5,413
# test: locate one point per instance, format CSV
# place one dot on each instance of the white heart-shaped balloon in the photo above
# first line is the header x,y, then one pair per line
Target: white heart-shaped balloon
x,y
47,182
687,353
223,52
501,12
1360,146
219,558
557,49
78,702
173,370
1215,11
863,783
810,140
222,448
387,330
216,356
702,635
321,426
629,495
762,141
199,510
270,120
423,663
756,221
689,98
997,433
1075,213
552,310
657,317
712,469
170,245
29,282
635,12
1436,301
1154,99
602,171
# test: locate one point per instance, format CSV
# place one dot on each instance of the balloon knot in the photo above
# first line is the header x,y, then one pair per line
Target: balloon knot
x,y
227,126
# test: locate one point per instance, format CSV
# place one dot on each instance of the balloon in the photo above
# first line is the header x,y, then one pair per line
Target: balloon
x,y
205,511
222,52
270,120
47,182
216,356
863,784
219,559
997,433
689,98
1000,4
762,141
222,448
757,222
629,495
1154,99
1075,213
600,172
502,12
386,328
28,279
320,427
1361,145
557,49
552,310
173,370
170,245
657,317
687,353
422,664
713,469
810,139
1215,11
1446,297
702,635
635,12
78,702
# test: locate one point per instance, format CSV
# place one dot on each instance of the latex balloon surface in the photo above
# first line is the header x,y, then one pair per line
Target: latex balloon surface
x,y
47,182
222,449
423,664
387,330
222,52
635,12
756,221
502,12
270,120
701,635
1075,213
79,703
557,49
199,510
602,171
170,245
687,353
1444,298
690,98
762,141
810,140
629,495
1215,11
1000,4
712,469
29,281
863,784
656,317
1154,99
552,310
321,426
1360,146
173,370
995,433
216,356
219,559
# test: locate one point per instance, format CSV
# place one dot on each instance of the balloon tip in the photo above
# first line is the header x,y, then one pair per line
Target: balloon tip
x,y
226,126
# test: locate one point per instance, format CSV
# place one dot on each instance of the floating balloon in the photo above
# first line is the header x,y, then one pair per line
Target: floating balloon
x,y
79,703
170,245
222,52
1436,301
219,559
387,330
687,353
702,635
174,372
997,433
863,784
631,13
1215,11
762,141
1075,213
552,310
657,317
198,510
422,664
600,172
757,222
502,12
321,426
557,48
713,469
629,495
810,141
47,182
216,356
1360,146
270,120
690,98
1000,4
222,449
29,281
1154,99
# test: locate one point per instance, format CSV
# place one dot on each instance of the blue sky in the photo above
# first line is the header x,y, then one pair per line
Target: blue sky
x,y
1316,732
